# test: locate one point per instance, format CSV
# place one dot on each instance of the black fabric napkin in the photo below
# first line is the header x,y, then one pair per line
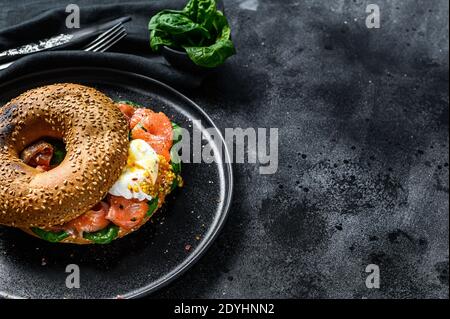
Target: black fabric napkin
x,y
131,54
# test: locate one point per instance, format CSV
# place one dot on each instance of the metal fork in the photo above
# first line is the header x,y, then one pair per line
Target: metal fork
x,y
107,39
100,44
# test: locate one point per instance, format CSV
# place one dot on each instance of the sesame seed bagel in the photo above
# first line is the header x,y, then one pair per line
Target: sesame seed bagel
x,y
95,133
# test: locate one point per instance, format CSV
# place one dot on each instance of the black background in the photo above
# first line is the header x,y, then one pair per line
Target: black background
x,y
363,175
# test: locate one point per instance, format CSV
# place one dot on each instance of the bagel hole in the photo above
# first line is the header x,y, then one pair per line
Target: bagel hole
x,y
45,153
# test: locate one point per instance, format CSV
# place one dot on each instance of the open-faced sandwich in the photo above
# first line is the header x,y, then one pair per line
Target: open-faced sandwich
x,y
77,167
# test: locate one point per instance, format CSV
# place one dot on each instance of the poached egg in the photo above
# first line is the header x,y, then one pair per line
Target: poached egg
x,y
140,172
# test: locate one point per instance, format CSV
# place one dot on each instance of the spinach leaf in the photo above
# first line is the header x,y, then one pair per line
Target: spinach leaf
x,y
218,52
53,237
176,24
177,134
152,206
201,11
104,236
199,28
176,162
159,39
59,150
176,183
213,55
58,156
175,157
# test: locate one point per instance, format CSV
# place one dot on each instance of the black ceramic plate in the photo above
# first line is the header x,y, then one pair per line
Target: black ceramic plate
x,y
147,259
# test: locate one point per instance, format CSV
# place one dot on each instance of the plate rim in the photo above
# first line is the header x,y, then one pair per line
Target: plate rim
x,y
193,258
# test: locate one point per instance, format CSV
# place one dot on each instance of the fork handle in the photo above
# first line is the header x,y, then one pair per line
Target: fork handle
x,y
41,45
6,65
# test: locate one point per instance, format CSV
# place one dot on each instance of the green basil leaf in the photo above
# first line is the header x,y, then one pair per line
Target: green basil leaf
x,y
152,206
53,237
104,236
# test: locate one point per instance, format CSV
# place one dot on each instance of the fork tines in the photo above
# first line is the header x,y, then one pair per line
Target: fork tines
x,y
107,39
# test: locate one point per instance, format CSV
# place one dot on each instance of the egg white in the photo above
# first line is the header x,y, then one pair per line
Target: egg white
x,y
142,167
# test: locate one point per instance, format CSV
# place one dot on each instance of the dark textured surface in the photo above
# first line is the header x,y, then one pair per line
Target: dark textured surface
x,y
363,176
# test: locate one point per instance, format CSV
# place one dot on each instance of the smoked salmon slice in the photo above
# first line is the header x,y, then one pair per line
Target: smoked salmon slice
x,y
126,213
138,116
92,221
156,129
126,109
